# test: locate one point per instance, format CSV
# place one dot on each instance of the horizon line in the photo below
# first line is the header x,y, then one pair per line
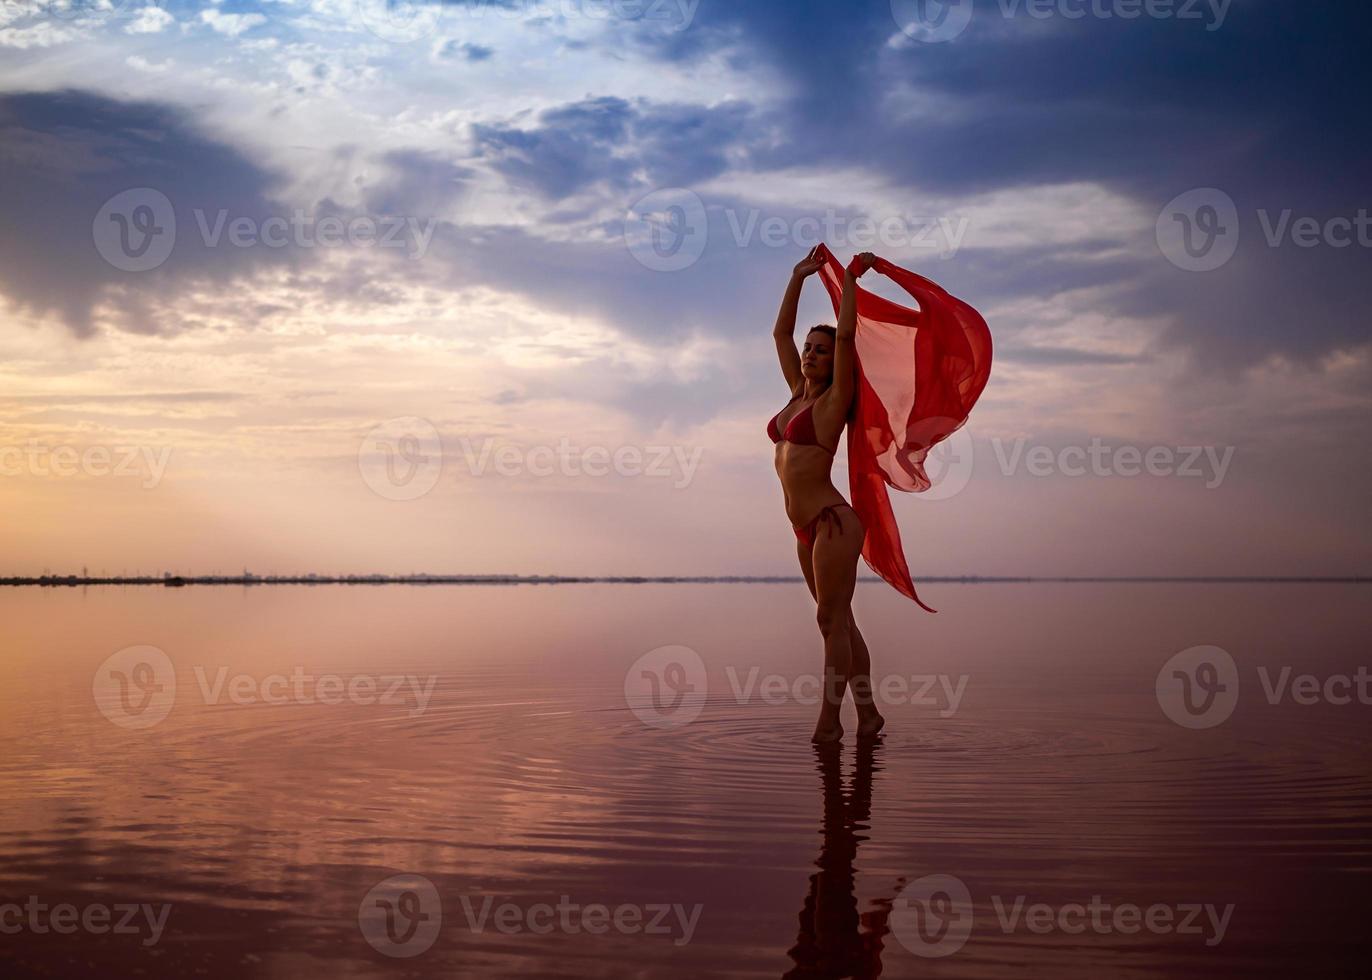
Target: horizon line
x,y
427,578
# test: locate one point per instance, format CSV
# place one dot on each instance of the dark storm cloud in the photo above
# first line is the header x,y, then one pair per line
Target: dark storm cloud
x,y
1268,107
612,142
66,153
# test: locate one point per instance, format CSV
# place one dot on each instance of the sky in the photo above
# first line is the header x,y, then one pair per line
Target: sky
x,y
486,287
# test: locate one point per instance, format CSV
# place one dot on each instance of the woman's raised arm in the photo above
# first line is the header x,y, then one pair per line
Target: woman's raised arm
x,y
784,333
845,349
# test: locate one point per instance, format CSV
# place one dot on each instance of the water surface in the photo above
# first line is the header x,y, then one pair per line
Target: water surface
x,y
1039,769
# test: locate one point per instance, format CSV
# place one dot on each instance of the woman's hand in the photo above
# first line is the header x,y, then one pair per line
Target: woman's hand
x,y
809,265
861,263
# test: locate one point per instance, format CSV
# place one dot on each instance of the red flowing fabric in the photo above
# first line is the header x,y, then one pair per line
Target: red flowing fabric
x,y
919,374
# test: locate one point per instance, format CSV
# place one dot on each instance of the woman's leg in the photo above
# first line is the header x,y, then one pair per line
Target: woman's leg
x,y
860,683
838,543
870,720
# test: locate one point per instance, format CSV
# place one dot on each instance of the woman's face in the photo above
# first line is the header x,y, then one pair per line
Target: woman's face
x,y
817,359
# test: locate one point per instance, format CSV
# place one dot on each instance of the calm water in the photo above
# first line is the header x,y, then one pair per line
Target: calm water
x,y
473,824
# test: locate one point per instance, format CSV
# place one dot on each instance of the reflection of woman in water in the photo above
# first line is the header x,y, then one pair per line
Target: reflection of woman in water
x,y
834,939
829,536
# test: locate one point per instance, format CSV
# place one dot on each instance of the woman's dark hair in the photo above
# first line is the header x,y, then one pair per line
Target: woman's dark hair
x,y
824,328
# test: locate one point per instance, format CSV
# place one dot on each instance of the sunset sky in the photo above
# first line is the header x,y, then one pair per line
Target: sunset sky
x,y
531,314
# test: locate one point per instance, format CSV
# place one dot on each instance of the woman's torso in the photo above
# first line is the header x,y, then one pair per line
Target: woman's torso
x,y
805,465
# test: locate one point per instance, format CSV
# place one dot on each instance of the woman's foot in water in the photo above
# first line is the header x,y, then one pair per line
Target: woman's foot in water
x,y
871,725
827,732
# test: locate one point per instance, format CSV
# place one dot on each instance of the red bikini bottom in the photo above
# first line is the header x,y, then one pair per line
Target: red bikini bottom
x,y
827,515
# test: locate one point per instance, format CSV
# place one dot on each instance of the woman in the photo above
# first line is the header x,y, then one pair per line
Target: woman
x,y
822,378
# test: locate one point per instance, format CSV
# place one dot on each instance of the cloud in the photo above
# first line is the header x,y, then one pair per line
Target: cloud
x,y
149,20
1065,356
66,154
1147,108
448,49
231,25
617,144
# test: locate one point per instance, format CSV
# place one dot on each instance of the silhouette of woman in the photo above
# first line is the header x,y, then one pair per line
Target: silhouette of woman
x,y
835,940
928,366
829,535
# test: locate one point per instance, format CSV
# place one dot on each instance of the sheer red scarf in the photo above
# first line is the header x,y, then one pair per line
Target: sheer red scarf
x,y
919,374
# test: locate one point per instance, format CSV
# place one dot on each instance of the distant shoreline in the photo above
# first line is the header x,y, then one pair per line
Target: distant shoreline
x,y
181,581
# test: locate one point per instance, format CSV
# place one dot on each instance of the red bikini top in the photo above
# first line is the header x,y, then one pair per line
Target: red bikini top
x,y
800,431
